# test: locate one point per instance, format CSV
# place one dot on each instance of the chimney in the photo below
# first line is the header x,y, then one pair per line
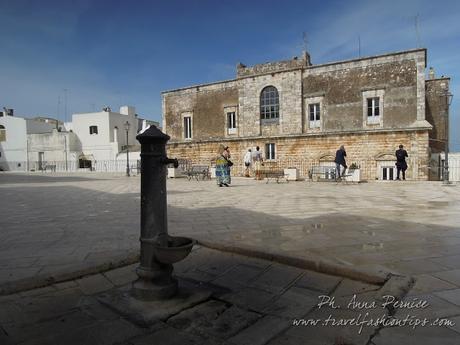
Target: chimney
x,y
431,73
127,110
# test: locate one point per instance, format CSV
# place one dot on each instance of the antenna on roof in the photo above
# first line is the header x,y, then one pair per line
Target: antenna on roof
x,y
58,107
65,105
359,46
417,33
305,41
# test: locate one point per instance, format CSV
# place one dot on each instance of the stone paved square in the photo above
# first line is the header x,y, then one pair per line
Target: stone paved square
x,y
60,227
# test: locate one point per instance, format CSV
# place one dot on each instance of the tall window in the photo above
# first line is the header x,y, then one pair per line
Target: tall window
x,y
314,110
270,151
92,129
269,103
187,127
2,133
231,120
373,110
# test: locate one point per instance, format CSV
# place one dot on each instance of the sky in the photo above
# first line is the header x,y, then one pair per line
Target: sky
x,y
75,56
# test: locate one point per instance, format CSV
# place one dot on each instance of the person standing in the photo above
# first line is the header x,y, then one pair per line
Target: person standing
x,y
247,162
223,167
401,164
340,161
258,162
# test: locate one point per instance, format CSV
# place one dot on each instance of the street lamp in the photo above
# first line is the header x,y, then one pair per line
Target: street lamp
x,y
448,97
127,125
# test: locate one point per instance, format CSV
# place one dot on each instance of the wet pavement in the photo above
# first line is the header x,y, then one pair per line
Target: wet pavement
x,y
251,302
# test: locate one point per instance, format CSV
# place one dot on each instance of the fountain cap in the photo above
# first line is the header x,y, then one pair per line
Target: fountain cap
x,y
152,134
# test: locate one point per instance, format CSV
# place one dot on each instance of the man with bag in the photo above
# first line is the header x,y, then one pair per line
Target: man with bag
x,y
340,161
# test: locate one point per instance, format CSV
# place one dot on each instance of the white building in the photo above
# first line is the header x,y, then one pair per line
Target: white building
x,y
13,142
103,135
55,150
454,166
95,141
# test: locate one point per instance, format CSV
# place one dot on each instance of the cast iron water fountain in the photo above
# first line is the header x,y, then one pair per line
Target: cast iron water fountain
x,y
159,250
156,295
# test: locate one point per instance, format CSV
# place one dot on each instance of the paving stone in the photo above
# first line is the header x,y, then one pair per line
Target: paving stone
x,y
452,296
122,276
260,332
38,292
215,319
318,281
277,277
420,336
452,276
456,324
293,303
66,285
349,287
101,333
93,284
421,266
438,308
426,283
57,326
250,298
451,261
171,336
238,276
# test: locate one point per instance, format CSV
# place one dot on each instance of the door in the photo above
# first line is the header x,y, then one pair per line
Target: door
x,y
41,160
388,173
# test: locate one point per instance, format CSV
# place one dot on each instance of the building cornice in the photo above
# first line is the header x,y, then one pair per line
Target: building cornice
x,y
305,135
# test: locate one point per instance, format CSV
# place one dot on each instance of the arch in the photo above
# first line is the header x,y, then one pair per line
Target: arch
x,y
326,157
385,156
269,103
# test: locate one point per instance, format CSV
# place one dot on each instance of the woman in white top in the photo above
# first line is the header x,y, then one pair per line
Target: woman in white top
x,y
247,162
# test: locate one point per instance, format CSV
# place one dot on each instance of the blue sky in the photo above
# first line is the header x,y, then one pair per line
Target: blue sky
x,y
109,52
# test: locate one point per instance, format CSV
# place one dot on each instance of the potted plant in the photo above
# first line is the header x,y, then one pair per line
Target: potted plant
x,y
354,173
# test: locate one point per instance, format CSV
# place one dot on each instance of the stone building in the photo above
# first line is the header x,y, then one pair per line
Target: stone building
x,y
300,113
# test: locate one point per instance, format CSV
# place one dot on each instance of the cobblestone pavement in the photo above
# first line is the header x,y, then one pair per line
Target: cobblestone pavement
x,y
60,223
253,302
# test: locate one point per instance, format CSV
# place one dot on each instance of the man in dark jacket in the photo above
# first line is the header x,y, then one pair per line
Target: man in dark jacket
x,y
401,164
340,161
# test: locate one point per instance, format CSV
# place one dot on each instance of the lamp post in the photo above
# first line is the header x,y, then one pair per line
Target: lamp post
x,y
448,97
127,125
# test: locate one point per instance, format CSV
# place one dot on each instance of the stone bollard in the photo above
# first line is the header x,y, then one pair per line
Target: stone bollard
x,y
158,250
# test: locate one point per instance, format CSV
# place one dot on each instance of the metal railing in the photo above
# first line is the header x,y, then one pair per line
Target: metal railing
x,y
369,169
70,166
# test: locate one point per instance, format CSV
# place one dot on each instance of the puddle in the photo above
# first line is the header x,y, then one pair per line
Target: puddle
x,y
372,246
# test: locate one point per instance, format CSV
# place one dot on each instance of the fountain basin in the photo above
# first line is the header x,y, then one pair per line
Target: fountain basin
x,y
178,248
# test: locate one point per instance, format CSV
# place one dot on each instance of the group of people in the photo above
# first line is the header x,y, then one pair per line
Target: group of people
x,y
401,165
254,161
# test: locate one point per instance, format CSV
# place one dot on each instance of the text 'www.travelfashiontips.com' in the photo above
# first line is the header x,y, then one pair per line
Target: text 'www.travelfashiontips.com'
x,y
367,317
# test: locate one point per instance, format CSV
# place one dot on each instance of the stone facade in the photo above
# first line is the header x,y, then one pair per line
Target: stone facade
x,y
370,105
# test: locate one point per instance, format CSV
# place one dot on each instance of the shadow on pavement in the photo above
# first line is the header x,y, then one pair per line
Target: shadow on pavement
x,y
8,178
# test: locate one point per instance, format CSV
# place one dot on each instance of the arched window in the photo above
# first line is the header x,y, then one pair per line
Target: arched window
x,y
269,103
2,133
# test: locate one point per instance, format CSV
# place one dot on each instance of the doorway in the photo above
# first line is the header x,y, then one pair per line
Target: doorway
x,y
41,160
